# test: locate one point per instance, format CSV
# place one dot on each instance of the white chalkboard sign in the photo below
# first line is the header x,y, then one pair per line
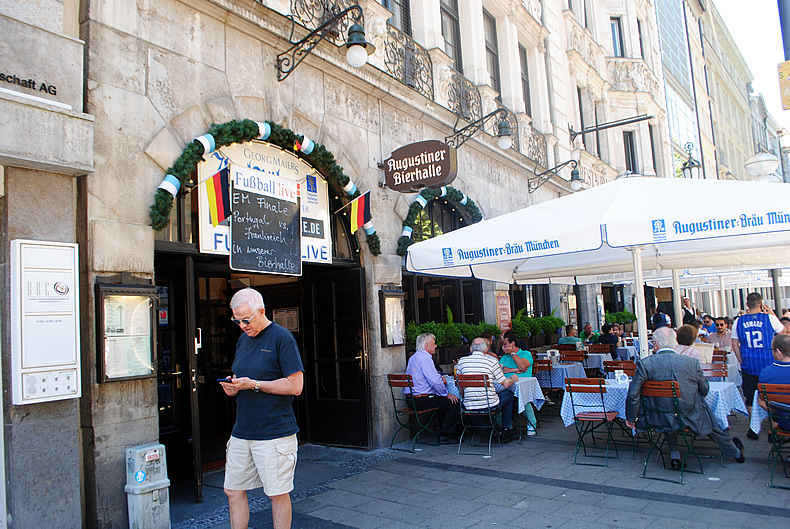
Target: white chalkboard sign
x,y
265,227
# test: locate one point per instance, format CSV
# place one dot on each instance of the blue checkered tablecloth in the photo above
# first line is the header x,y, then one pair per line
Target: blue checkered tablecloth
x,y
614,400
526,390
758,414
559,373
722,398
628,352
595,361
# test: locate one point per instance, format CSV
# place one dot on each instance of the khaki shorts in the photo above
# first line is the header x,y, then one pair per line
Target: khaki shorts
x,y
270,464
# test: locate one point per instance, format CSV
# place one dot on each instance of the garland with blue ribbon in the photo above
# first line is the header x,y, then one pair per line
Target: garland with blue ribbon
x,y
425,196
221,135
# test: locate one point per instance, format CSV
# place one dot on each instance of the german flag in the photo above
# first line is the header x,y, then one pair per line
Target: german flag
x,y
360,211
218,196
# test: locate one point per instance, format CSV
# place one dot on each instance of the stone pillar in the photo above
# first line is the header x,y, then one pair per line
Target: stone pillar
x,y
509,64
473,41
426,24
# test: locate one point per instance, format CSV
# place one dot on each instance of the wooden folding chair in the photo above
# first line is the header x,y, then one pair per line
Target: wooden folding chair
x,y
405,409
572,356
588,394
715,370
484,417
661,397
564,347
777,400
601,348
628,366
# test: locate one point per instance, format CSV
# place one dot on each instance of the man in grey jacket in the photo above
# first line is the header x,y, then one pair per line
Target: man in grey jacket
x,y
665,364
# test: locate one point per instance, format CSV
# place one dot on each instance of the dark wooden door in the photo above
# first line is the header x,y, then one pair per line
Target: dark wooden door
x,y
336,367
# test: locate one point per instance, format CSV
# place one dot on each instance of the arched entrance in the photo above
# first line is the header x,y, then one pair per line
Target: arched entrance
x,y
324,308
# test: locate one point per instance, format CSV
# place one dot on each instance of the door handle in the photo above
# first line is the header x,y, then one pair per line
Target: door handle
x,y
199,339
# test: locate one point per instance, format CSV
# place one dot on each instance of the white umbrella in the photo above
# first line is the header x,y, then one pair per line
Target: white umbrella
x,y
658,223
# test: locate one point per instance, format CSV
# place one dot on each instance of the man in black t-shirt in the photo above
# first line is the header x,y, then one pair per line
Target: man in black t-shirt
x,y
268,373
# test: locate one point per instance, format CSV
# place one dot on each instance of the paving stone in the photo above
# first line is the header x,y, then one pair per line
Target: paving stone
x,y
495,513
539,505
341,498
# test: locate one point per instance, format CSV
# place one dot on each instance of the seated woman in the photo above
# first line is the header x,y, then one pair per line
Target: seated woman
x,y
519,361
687,334
608,338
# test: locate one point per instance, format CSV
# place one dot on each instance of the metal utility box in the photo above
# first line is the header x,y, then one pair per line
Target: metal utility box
x,y
147,487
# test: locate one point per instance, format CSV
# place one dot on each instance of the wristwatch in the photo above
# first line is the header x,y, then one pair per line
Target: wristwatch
x,y
257,387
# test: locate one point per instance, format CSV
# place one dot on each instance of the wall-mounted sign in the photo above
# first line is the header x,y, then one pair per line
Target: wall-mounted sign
x,y
45,321
265,227
412,167
503,319
316,245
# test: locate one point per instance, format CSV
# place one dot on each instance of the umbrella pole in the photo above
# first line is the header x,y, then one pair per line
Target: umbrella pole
x,y
677,302
722,297
641,310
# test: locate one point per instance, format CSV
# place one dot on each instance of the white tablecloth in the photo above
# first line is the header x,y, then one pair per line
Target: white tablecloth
x,y
758,414
596,360
559,373
628,352
722,398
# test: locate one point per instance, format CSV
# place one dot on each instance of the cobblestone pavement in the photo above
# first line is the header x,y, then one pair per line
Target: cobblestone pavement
x,y
531,484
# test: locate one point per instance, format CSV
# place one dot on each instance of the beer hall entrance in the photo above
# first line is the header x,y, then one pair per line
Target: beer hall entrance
x,y
324,308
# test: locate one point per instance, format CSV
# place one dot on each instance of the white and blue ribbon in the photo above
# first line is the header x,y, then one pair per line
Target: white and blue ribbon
x,y
208,143
264,130
307,145
444,191
368,227
350,188
421,200
464,200
407,231
171,184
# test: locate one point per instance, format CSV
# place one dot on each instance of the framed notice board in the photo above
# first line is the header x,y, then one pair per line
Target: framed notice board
x,y
125,331
265,227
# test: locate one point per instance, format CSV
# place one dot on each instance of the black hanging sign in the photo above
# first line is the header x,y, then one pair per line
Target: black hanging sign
x,y
265,227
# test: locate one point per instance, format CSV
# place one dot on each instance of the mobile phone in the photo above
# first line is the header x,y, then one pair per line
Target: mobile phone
x,y
223,380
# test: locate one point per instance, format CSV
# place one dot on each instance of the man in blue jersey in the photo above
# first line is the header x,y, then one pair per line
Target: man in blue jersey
x,y
268,374
752,334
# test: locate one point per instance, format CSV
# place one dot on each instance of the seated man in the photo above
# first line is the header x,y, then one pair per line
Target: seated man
x,y
479,363
570,336
778,373
609,338
722,338
430,389
518,361
587,334
665,364
707,324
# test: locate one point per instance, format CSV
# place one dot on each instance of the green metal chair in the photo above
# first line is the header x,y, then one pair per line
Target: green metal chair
x,y
777,400
597,416
405,409
661,397
477,419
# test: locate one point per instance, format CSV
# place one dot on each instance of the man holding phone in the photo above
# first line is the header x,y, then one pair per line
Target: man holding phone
x,y
752,334
262,447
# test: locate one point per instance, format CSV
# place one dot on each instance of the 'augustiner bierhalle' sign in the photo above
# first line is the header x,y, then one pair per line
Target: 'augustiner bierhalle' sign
x,y
429,163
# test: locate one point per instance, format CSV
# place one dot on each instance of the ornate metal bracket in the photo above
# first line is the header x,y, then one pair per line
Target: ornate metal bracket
x,y
603,126
459,137
539,179
288,60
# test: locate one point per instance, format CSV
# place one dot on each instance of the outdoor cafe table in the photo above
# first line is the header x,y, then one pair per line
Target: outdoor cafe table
x,y
722,398
626,352
596,360
758,414
559,372
526,390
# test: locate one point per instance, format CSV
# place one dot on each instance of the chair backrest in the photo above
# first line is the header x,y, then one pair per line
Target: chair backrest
x,y
628,366
777,399
572,356
401,399
661,397
478,381
718,357
628,342
543,365
564,347
400,380
601,348
714,370
586,385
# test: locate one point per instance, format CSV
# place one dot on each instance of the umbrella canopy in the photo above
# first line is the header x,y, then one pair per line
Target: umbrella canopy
x,y
655,223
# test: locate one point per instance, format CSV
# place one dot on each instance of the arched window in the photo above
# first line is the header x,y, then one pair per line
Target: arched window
x,y
428,297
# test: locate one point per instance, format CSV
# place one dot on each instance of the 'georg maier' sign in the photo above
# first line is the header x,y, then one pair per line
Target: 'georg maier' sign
x,y
429,163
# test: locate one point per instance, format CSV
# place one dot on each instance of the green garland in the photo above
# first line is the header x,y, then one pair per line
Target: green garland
x,y
454,195
241,132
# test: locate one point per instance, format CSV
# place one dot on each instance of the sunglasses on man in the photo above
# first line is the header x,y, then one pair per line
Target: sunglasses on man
x,y
245,321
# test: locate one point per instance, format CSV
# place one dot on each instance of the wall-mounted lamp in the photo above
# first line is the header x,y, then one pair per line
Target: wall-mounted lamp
x,y
504,141
357,48
691,167
539,179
